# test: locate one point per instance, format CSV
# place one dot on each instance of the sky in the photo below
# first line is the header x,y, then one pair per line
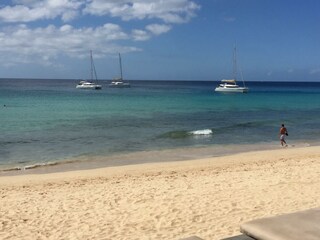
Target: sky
x,y
277,40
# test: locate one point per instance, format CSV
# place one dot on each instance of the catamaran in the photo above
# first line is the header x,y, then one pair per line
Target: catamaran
x,y
89,84
231,84
118,82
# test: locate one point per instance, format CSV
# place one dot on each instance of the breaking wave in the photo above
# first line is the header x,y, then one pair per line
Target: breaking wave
x,y
33,166
202,132
186,134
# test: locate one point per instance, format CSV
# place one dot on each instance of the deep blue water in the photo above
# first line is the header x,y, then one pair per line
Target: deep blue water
x,y
51,120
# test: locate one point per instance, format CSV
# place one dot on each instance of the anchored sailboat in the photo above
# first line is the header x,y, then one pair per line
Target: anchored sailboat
x,y
231,85
118,82
89,84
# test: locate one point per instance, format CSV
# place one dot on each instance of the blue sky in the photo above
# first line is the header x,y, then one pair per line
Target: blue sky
x,y
277,40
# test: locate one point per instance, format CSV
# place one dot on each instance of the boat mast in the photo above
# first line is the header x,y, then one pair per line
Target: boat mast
x,y
235,62
91,66
120,63
93,69
235,66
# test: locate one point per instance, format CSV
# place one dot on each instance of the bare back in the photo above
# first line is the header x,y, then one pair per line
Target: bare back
x,y
283,130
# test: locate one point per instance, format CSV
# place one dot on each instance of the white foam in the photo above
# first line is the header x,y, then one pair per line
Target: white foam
x,y
39,165
202,132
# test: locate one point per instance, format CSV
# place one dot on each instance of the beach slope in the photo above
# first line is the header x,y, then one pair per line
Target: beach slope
x,y
209,198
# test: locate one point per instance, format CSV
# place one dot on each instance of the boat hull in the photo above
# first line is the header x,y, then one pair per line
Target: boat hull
x,y
121,85
232,90
92,87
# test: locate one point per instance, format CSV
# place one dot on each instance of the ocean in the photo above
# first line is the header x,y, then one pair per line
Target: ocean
x,y
50,122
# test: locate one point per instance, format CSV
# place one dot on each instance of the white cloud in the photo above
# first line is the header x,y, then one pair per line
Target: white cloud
x,y
22,44
152,29
31,10
158,29
170,11
140,35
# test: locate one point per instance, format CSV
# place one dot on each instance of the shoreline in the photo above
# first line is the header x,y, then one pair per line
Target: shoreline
x,y
208,197
140,157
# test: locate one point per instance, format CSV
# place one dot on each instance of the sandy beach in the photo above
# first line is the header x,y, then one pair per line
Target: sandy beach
x,y
208,198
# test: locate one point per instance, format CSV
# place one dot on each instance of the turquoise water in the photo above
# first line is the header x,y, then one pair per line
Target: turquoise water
x,y
49,120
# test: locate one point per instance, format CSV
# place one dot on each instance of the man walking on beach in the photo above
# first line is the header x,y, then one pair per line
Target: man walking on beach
x,y
283,133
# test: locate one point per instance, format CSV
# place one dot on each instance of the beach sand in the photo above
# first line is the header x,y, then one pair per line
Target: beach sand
x,y
208,198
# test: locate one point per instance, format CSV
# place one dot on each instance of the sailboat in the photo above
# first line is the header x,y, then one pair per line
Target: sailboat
x,y
231,85
118,82
89,84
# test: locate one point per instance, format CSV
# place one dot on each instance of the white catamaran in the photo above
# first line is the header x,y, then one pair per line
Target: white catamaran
x,y
89,84
231,85
118,82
